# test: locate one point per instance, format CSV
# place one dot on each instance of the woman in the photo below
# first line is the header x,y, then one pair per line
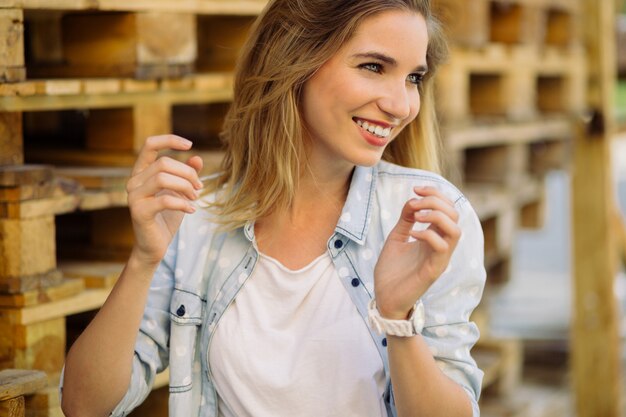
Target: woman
x,y
315,280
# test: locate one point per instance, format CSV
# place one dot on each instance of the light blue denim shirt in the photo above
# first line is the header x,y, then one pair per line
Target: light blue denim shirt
x,y
204,270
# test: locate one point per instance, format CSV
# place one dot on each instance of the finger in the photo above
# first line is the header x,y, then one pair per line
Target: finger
x,y
150,207
443,224
437,204
196,163
168,165
432,238
402,229
154,144
434,192
164,181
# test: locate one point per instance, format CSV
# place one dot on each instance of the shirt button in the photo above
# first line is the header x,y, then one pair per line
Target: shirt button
x,y
355,282
385,342
338,244
181,310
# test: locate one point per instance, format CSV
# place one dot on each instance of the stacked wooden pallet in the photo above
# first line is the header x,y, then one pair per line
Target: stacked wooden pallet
x,y
508,99
84,82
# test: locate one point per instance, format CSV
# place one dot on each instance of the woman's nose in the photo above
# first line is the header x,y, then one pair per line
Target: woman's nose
x,y
397,100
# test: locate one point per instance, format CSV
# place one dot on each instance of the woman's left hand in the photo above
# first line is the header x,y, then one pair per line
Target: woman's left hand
x,y
406,268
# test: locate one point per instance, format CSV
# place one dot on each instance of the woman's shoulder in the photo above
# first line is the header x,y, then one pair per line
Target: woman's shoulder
x,y
395,178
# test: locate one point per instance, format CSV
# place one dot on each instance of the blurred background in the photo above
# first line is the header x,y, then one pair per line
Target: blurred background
x,y
532,104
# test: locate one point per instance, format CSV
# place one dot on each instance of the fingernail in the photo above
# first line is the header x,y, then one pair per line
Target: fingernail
x,y
186,141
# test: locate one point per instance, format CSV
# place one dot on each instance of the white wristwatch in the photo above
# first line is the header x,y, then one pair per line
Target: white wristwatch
x,y
404,328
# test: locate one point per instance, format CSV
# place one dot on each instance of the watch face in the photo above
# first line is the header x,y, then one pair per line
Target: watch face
x,y
419,317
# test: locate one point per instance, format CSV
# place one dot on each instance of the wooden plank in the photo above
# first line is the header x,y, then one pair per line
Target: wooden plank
x,y
11,148
16,285
27,246
478,134
16,383
93,274
134,92
40,207
230,7
44,295
13,408
502,164
596,353
91,299
95,178
14,175
12,45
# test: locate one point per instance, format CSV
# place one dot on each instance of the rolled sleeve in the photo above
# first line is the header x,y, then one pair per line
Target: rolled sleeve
x,y
152,344
450,302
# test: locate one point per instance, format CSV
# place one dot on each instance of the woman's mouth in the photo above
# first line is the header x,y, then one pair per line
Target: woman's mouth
x,y
376,130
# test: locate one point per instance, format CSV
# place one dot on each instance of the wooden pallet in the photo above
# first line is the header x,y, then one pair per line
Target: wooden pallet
x,y
140,44
510,83
145,45
475,23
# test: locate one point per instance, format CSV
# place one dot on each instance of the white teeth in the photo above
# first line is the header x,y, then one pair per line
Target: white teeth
x,y
374,129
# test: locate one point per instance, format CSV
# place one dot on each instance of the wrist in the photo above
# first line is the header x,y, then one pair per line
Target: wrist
x,y
390,310
403,327
141,260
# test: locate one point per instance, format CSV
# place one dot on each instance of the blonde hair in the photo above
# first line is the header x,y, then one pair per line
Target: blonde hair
x,y
263,132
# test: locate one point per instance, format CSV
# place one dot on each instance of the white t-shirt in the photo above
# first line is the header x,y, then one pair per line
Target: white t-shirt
x,y
293,344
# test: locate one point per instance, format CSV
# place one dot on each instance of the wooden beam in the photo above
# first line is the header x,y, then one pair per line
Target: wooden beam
x,y
15,383
595,334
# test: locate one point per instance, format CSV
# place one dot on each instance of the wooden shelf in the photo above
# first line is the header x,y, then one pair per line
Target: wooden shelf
x,y
506,133
90,299
40,95
226,7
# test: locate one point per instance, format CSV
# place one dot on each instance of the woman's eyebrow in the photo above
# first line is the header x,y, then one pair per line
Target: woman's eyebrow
x,y
387,60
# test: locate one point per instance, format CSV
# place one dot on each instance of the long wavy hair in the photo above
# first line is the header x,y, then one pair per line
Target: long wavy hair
x,y
263,133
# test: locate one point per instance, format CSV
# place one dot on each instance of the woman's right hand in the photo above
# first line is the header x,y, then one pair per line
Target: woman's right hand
x,y
160,192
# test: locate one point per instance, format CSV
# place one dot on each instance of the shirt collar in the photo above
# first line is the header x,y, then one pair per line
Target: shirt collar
x,y
357,212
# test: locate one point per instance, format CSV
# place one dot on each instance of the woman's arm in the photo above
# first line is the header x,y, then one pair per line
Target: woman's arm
x,y
99,365
410,269
420,387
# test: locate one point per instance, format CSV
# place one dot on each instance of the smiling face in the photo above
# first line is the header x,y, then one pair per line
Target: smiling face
x,y
361,99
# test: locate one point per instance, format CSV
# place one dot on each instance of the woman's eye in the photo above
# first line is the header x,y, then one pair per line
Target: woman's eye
x,y
372,67
416,78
